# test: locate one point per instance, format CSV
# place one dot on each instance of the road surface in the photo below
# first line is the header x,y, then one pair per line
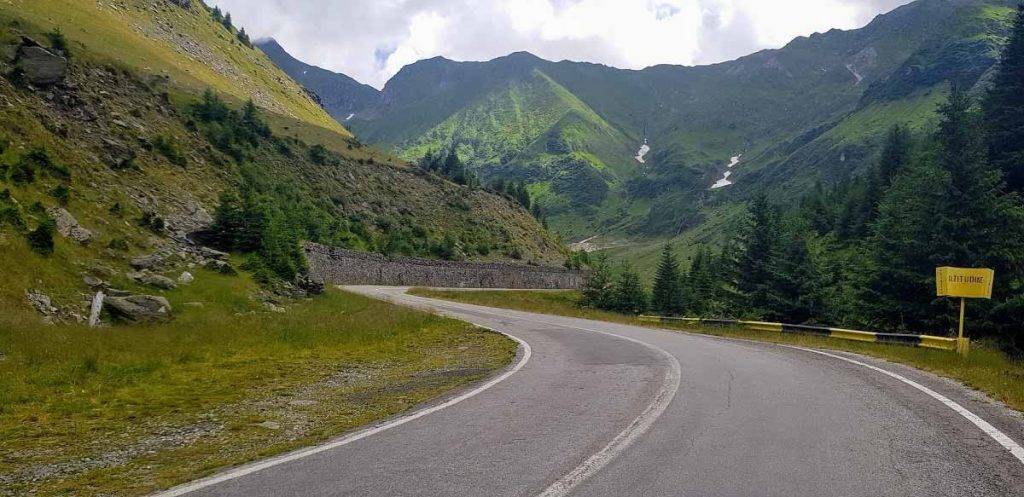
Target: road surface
x,y
600,409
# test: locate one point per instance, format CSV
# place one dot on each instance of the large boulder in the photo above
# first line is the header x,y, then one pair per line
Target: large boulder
x,y
139,308
147,262
41,67
68,226
154,280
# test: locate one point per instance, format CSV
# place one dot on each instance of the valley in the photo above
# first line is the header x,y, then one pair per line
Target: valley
x,y
812,111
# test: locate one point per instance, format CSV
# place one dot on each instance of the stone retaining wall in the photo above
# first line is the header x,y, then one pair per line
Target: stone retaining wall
x,y
348,267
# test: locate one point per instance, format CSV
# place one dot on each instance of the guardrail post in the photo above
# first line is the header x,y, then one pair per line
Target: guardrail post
x,y
963,345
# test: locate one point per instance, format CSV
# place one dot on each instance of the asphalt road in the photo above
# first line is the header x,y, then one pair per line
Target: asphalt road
x,y
601,409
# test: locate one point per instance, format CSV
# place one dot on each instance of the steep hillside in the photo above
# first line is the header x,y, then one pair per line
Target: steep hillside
x,y
340,95
811,111
124,130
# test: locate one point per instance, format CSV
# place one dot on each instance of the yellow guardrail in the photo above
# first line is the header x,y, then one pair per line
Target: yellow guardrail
x,y
927,341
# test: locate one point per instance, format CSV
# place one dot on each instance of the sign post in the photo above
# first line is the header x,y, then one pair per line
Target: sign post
x,y
964,283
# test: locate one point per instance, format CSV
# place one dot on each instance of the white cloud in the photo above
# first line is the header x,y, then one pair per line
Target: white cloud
x,y
371,40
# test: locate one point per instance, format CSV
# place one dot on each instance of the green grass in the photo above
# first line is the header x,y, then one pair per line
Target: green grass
x,y
126,35
152,406
984,368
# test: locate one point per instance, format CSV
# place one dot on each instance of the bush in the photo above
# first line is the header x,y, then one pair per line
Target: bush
x,y
319,155
21,173
40,239
62,194
36,159
119,244
9,214
58,42
152,222
168,147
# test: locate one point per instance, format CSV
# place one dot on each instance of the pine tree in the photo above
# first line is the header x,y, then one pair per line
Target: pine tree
x,y
597,288
629,294
894,158
755,272
1004,110
795,296
667,295
949,209
701,286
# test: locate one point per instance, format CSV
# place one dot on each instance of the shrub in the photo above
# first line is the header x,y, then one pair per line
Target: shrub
x,y
168,147
38,158
40,239
151,221
9,214
119,244
319,155
21,173
62,193
58,42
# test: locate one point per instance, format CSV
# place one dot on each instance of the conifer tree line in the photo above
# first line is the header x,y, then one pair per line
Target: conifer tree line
x,y
863,253
448,164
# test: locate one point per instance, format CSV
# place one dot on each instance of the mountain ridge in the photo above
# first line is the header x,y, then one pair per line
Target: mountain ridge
x,y
788,111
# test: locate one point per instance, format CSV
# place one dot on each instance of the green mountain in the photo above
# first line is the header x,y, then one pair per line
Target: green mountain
x,y
132,129
811,111
340,95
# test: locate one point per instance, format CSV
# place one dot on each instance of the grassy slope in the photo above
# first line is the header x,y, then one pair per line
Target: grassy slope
x,y
985,368
160,37
77,405
105,413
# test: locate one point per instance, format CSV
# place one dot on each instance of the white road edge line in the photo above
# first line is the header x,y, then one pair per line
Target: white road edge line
x,y
643,422
624,439
985,426
359,435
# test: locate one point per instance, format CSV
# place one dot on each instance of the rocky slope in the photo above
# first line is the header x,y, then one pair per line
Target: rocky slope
x,y
102,142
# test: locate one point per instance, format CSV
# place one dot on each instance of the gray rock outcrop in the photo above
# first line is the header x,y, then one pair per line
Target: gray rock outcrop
x,y
41,67
139,308
147,262
41,302
153,280
68,226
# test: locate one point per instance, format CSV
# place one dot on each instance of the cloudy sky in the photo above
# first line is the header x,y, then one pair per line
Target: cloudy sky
x,y
371,40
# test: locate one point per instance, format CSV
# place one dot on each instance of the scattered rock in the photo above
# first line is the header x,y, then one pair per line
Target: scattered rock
x,y
41,302
221,267
270,425
147,262
40,67
93,281
118,156
97,269
302,403
210,253
272,307
114,292
68,226
154,280
95,309
139,308
186,278
311,285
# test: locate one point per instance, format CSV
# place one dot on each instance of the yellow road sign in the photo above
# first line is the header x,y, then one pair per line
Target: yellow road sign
x,y
964,282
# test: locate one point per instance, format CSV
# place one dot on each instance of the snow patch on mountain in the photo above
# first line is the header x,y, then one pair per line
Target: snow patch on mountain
x,y
728,172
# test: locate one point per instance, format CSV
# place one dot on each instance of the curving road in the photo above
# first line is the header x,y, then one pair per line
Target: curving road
x,y
600,409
